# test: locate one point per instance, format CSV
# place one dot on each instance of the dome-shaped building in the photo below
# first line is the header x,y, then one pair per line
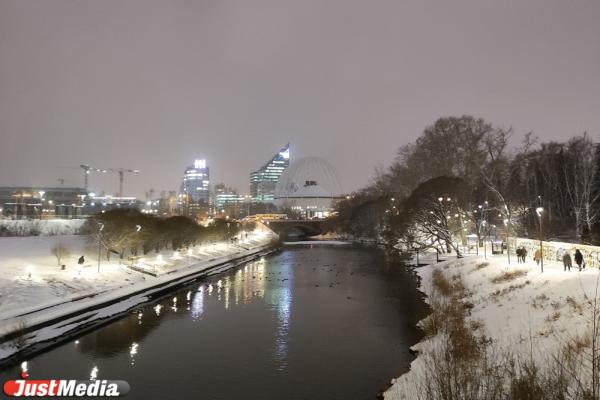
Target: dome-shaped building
x,y
308,187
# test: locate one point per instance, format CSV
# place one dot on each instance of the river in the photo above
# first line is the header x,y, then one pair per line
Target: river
x,y
309,322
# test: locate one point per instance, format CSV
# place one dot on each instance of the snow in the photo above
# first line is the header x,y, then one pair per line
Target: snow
x,y
37,227
533,311
34,290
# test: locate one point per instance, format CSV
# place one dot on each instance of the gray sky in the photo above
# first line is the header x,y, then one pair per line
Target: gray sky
x,y
154,84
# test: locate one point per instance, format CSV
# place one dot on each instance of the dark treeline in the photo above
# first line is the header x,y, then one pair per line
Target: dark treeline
x,y
461,177
128,231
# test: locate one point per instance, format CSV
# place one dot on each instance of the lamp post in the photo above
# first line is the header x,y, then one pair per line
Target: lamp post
x,y
507,240
539,211
483,223
100,228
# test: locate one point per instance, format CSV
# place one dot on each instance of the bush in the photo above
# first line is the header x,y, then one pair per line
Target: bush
x,y
509,276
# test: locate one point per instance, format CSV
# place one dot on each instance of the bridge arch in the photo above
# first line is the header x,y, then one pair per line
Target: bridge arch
x,y
287,229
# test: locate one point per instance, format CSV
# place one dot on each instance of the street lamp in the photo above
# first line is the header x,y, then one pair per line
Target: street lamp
x,y
100,228
507,241
539,212
483,223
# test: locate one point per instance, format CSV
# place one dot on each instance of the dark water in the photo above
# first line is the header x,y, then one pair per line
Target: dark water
x,y
321,322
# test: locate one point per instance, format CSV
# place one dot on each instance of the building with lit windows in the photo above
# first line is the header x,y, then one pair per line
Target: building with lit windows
x,y
264,180
41,202
227,200
195,188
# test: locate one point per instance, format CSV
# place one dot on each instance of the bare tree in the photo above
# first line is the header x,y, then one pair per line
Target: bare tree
x,y
580,174
59,251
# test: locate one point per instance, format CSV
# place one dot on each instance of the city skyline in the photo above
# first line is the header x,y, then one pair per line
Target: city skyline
x,y
148,85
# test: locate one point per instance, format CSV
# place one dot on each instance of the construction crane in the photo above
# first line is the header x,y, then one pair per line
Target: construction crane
x,y
87,169
121,172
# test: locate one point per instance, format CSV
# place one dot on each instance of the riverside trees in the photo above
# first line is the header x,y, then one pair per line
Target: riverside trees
x,y
501,186
128,231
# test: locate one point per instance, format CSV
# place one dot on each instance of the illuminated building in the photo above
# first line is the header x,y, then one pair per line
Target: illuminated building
x,y
41,202
308,188
97,204
264,180
196,183
226,198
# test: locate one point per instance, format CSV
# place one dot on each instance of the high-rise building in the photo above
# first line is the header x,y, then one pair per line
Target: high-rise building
x,y
226,198
195,187
264,180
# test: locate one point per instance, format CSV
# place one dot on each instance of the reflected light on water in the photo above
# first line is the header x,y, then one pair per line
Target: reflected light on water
x,y
133,350
94,373
157,310
281,300
198,305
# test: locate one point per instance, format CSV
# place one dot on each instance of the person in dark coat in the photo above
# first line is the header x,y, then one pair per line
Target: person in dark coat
x,y
523,254
578,258
81,260
567,261
519,255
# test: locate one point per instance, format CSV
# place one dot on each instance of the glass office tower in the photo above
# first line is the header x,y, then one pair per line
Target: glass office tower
x,y
264,180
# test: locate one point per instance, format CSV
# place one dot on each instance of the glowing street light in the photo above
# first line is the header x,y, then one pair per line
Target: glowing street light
x,y
507,240
484,223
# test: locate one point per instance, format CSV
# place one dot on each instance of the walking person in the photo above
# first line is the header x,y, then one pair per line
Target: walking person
x,y
567,261
524,253
578,258
537,256
519,255
81,260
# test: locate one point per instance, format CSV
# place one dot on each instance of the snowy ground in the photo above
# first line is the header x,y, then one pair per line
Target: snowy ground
x,y
539,311
33,289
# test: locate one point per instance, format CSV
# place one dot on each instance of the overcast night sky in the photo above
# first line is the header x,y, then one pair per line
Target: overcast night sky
x,y
154,84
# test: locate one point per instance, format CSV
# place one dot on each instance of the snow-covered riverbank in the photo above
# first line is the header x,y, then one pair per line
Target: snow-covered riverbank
x,y
519,309
35,292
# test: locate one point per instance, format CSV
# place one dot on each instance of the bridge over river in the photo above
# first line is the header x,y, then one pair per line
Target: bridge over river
x,y
288,228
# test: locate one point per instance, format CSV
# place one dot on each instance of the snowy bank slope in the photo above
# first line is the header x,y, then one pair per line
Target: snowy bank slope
x,y
530,310
35,291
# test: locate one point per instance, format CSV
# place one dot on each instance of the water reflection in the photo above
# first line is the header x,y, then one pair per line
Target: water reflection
x,y
117,337
280,298
260,331
198,304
